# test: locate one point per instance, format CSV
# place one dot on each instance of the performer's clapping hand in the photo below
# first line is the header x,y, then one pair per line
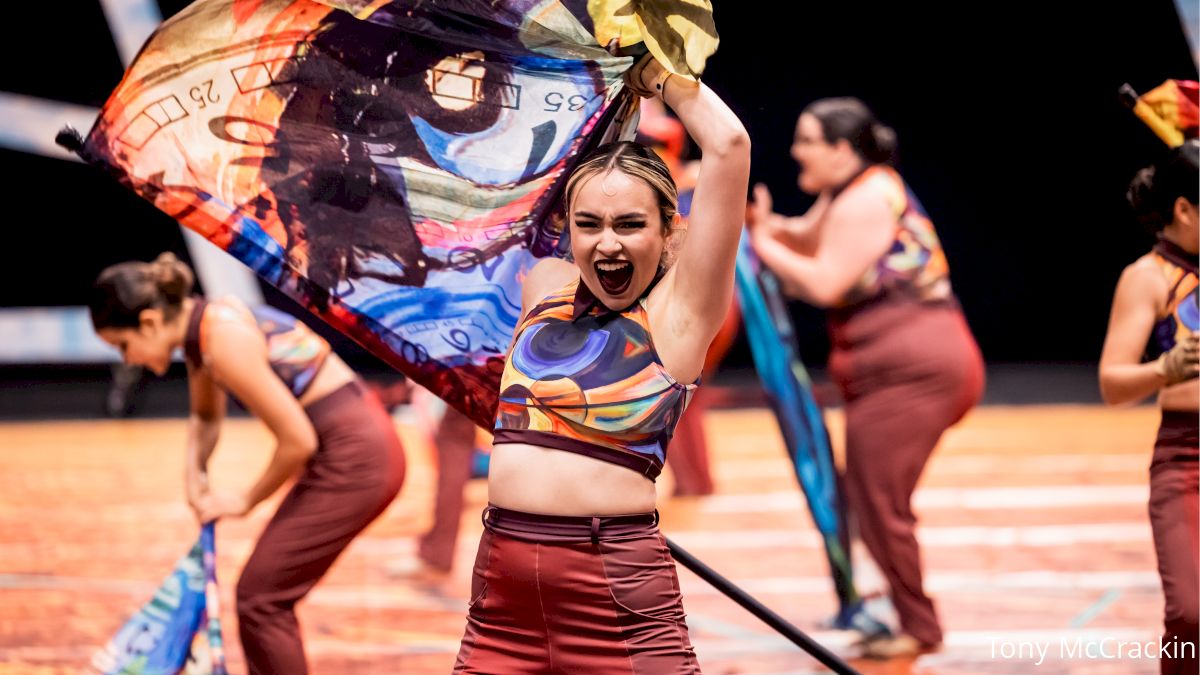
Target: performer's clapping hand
x,y
760,218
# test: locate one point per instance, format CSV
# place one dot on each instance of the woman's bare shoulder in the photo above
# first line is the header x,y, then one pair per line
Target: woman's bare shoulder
x,y
546,276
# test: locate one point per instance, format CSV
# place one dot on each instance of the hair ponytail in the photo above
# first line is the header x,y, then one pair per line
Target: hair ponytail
x,y
124,290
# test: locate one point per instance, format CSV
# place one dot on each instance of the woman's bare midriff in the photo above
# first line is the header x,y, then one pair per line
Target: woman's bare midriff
x,y
334,373
533,479
1183,397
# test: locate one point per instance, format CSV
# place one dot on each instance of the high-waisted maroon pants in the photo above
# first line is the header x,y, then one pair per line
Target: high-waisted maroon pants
x,y
907,372
1174,491
351,478
555,594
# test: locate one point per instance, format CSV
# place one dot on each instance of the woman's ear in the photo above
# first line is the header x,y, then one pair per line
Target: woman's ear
x,y
675,223
150,320
1184,211
844,148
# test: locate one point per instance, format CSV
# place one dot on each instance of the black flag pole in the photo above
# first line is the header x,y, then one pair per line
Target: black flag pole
x,y
766,614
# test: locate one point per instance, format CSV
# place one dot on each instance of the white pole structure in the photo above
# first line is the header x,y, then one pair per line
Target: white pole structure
x,y
131,23
57,334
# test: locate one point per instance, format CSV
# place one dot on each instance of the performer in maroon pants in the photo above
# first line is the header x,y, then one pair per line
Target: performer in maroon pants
x,y
330,433
902,354
1151,348
572,574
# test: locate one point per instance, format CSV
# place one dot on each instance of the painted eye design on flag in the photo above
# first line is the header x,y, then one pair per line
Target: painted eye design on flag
x,y
405,110
416,124
369,100
538,107
456,82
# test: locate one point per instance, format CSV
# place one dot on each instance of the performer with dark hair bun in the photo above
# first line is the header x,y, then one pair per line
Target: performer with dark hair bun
x,y
331,434
902,354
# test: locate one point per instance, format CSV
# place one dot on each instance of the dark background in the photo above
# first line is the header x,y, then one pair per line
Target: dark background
x,y
1010,133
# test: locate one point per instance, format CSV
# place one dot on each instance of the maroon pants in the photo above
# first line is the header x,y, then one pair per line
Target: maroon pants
x,y
1174,490
555,594
907,372
351,478
455,442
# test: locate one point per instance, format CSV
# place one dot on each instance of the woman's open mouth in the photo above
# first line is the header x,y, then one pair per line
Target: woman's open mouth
x,y
614,275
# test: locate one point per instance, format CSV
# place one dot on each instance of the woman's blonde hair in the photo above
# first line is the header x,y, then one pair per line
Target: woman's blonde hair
x,y
631,159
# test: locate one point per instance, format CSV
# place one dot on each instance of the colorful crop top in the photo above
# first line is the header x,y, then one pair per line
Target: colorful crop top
x,y
1181,316
915,265
586,379
295,353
